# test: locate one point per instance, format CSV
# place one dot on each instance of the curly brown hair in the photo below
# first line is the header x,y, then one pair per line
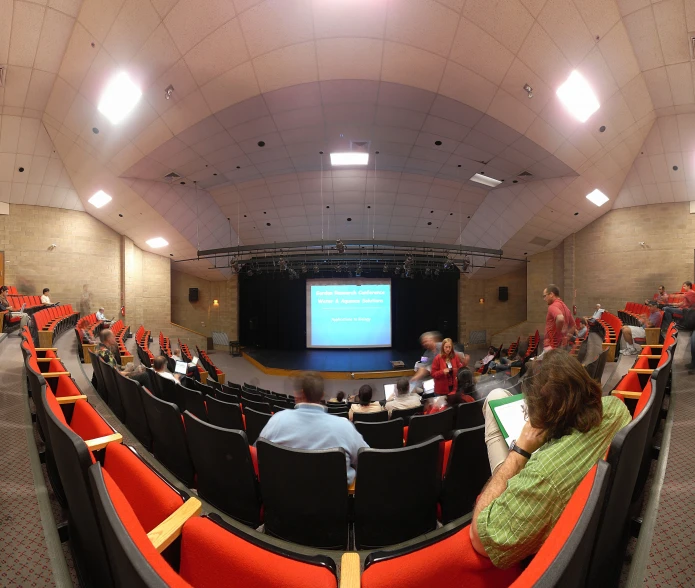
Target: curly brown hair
x,y
560,395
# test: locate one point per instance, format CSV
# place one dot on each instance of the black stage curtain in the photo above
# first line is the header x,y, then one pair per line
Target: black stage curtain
x,y
272,310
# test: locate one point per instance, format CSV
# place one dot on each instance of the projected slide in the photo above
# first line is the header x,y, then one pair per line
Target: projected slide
x,y
348,313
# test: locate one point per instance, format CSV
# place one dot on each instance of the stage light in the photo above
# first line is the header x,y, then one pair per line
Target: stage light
x,y
282,264
340,246
428,271
358,271
436,272
350,158
99,199
397,269
447,263
577,97
466,264
597,197
249,272
119,98
486,180
316,268
386,268
303,268
157,242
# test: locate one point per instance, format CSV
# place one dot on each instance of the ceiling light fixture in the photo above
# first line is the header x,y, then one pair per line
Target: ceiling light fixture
x,y
99,199
486,180
578,97
350,158
340,246
597,197
157,242
119,98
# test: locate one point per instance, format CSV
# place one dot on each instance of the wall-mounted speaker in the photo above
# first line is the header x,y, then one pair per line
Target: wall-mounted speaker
x,y
504,293
193,295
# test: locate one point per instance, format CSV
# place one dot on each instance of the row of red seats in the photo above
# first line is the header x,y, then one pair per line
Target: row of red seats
x,y
164,344
121,331
188,356
217,374
31,302
49,318
12,290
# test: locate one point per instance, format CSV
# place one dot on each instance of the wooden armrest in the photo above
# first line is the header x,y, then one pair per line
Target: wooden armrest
x,y
45,349
70,399
661,346
651,356
627,393
46,359
169,529
351,487
54,374
101,442
641,371
350,570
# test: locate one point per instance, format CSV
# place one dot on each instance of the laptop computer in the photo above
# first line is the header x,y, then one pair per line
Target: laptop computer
x,y
389,391
181,367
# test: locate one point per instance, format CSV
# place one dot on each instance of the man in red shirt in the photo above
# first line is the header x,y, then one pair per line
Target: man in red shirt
x,y
688,302
559,323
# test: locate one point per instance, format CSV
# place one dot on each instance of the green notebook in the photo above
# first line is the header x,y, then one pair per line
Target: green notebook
x,y
510,415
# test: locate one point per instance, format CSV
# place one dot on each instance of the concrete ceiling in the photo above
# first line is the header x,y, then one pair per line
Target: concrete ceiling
x,y
298,74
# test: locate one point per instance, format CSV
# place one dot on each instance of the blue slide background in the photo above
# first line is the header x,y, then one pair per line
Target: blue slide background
x,y
350,315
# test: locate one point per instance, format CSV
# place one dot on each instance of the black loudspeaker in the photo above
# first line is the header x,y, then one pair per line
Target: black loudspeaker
x,y
193,295
504,293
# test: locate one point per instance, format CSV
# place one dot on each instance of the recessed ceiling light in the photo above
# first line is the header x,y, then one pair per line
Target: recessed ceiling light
x,y
486,180
597,197
157,242
119,98
350,158
99,199
578,97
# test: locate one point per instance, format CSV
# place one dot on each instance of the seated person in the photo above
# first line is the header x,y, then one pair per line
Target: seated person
x,y
465,392
107,350
445,366
44,296
630,333
582,330
503,362
160,366
5,305
688,302
598,312
309,426
101,316
339,398
661,297
592,346
569,428
404,398
365,403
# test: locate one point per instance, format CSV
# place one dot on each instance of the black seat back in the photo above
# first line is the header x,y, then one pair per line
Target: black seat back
x,y
169,443
293,509
224,414
114,395
386,513
386,435
466,472
195,403
170,391
73,461
469,415
255,421
203,388
225,474
370,417
406,413
101,384
135,417
426,426
227,397
261,406
153,385
625,459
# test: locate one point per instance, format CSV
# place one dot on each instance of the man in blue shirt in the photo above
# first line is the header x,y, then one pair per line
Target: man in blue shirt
x,y
309,426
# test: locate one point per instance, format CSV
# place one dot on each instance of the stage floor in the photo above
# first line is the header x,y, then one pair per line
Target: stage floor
x,y
338,361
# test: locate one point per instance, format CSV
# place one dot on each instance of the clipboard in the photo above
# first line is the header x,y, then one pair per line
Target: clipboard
x,y
508,421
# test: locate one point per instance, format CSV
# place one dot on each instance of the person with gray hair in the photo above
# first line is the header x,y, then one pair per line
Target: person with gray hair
x,y
310,426
404,398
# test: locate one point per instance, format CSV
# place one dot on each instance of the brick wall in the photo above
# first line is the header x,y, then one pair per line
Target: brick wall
x,y
493,315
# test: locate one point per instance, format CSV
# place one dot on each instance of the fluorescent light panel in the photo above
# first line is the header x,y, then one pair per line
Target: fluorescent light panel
x,y
99,199
597,197
157,242
578,97
350,158
119,98
486,180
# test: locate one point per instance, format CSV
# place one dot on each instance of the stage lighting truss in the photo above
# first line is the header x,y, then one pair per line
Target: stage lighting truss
x,y
357,257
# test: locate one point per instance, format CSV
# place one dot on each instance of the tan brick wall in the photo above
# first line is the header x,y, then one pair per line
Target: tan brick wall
x,y
203,316
87,253
493,315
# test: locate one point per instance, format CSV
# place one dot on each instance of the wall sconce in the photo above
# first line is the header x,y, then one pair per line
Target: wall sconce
x,y
215,302
482,300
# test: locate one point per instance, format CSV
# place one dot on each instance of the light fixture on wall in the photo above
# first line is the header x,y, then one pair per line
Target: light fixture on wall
x,y
481,300
215,302
119,98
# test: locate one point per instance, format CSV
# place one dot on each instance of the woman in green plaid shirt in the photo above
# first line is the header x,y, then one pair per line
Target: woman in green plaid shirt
x,y
569,428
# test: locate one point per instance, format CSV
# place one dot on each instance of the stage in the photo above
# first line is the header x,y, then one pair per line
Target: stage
x,y
336,364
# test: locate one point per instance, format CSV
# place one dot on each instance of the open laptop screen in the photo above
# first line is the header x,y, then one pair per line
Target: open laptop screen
x,y
181,367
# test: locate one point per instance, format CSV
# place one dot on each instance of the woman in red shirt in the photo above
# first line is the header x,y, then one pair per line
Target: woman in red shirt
x,y
445,366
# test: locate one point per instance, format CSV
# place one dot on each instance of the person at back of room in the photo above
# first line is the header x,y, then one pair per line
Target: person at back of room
x,y
569,427
404,398
160,366
592,346
445,366
631,332
687,302
559,324
45,299
365,403
310,426
107,350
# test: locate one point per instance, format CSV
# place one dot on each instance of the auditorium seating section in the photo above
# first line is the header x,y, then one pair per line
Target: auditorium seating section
x,y
633,314
188,356
214,372
53,321
125,518
614,327
31,303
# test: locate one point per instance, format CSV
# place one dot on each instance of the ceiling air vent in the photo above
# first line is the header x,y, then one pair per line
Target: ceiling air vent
x,y
540,241
3,71
172,176
525,174
359,146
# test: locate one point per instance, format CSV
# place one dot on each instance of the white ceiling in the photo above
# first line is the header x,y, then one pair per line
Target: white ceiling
x,y
298,73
